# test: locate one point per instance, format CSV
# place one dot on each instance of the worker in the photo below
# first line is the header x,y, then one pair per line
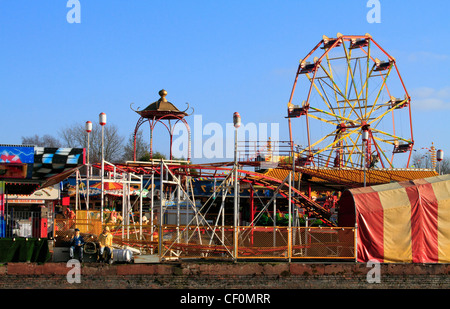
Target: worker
x,y
105,246
374,160
70,216
76,246
144,219
69,213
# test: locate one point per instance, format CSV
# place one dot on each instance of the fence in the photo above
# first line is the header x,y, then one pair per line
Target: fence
x,y
197,242
220,242
26,224
296,242
252,242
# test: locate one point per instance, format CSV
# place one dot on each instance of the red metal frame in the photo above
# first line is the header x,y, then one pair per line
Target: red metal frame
x,y
170,128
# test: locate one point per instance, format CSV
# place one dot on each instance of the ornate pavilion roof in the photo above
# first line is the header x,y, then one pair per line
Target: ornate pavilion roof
x,y
162,108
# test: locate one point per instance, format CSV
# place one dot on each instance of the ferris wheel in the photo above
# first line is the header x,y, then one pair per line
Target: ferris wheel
x,y
354,104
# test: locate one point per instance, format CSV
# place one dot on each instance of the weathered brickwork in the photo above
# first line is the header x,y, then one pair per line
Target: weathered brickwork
x,y
209,275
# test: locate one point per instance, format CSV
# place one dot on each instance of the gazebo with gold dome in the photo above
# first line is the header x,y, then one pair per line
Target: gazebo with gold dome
x,y
162,111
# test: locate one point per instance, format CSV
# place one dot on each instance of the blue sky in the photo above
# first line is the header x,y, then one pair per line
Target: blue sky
x,y
220,56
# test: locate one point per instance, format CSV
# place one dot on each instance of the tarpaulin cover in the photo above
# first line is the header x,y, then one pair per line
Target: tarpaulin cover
x,y
24,250
400,222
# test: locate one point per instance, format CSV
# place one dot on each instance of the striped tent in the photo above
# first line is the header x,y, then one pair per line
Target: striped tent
x,y
400,222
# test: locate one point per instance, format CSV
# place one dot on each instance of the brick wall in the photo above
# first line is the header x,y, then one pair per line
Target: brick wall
x,y
224,275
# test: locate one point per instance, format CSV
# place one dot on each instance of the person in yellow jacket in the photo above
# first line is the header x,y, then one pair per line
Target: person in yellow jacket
x,y
105,243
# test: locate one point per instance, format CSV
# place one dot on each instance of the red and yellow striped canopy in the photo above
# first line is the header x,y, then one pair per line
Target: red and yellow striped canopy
x,y
400,222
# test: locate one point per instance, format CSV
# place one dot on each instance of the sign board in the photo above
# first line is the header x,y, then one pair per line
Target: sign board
x,y
38,197
16,161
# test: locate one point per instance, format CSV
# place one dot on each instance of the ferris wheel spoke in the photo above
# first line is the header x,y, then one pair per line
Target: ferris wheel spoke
x,y
324,120
379,150
344,145
379,117
325,93
333,88
339,91
395,137
335,141
355,145
386,141
365,87
333,133
369,72
355,122
379,93
352,75
320,94
318,142
330,155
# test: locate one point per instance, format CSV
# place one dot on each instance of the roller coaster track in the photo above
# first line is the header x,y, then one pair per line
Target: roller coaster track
x,y
220,170
297,197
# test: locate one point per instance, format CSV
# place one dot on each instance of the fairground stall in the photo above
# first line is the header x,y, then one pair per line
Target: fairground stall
x,y
29,190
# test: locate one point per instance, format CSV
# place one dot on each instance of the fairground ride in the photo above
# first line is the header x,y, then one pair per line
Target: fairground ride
x,y
356,113
354,104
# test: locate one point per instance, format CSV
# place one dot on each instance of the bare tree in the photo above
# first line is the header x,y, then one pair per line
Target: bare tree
x,y
44,141
76,136
142,147
443,167
421,160
113,143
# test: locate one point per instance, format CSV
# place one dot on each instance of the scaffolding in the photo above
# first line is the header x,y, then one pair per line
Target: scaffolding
x,y
181,226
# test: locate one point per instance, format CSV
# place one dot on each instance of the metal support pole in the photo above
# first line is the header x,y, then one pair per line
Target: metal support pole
x,y
87,174
178,211
124,213
274,220
102,122
237,124
161,202
140,207
290,216
306,234
223,214
365,138
252,212
364,161
102,180
77,195
152,213
235,223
